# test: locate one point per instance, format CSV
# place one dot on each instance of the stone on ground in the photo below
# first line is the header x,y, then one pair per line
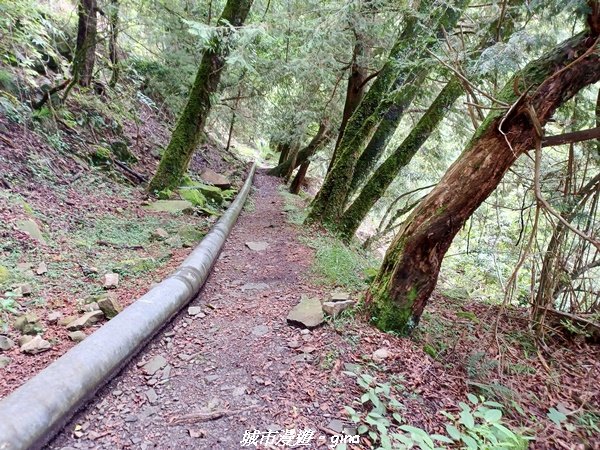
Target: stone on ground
x,y
77,336
194,310
211,177
380,354
22,290
339,296
254,287
109,306
260,330
53,317
111,280
160,234
86,320
35,346
27,324
335,308
257,246
170,206
4,361
6,343
154,365
42,268
32,229
308,313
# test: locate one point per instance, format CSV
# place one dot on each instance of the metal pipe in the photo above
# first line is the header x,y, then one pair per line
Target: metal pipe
x,y
32,414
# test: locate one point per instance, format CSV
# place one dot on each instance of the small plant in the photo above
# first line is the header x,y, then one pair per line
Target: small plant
x,y
477,426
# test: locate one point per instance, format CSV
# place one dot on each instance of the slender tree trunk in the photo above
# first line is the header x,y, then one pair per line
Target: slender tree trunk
x,y
320,140
299,178
354,92
185,138
85,52
113,34
388,170
328,205
411,266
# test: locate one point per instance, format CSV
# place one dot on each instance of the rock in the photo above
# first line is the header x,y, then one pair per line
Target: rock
x,y
66,320
194,196
130,418
23,290
194,310
86,320
42,268
293,344
4,361
110,306
196,433
212,378
211,177
31,228
336,425
53,317
151,395
260,330
121,150
308,313
24,340
257,246
380,354
77,336
170,206
89,307
111,280
254,287
160,234
27,324
154,365
6,343
307,349
339,296
35,346
335,308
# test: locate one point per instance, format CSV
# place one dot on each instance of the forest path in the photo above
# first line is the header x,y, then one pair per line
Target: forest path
x,y
236,357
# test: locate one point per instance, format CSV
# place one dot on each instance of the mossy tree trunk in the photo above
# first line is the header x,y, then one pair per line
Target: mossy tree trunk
x,y
393,85
320,140
85,51
113,35
388,170
410,269
190,125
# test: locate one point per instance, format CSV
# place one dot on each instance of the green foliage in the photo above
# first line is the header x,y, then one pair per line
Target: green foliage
x,y
478,425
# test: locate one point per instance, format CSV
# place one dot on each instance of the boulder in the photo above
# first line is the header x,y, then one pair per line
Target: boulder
x,y
110,306
27,324
335,308
6,343
308,313
211,177
86,320
77,336
35,346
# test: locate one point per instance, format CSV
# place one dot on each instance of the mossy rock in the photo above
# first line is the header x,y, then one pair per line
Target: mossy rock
x,y
4,274
101,155
193,196
190,234
211,193
121,150
8,82
165,194
170,206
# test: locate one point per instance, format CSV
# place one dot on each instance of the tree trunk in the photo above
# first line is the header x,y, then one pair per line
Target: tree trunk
x,y
85,52
299,178
354,91
327,207
320,140
186,135
113,34
388,170
411,266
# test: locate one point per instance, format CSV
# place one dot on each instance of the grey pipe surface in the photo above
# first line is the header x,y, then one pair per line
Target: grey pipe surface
x,y
32,414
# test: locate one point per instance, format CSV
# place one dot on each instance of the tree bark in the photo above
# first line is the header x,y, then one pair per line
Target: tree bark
x,y
393,85
410,269
85,51
299,178
320,140
113,34
186,135
388,170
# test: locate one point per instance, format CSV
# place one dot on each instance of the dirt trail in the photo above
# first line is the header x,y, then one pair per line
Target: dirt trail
x,y
232,358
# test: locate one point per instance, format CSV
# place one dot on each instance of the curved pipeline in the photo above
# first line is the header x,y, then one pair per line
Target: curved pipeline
x,y
32,414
